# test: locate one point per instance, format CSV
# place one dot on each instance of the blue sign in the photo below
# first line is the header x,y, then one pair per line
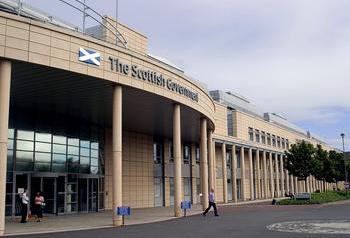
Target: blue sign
x,y
185,205
89,56
123,211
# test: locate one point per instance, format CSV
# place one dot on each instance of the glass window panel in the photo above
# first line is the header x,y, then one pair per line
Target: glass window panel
x,y
24,166
94,170
62,149
10,144
73,141
42,157
25,135
94,162
58,168
73,163
43,137
73,150
11,133
94,153
60,140
9,160
72,188
85,143
84,152
84,164
59,158
94,145
43,167
43,147
25,145
24,156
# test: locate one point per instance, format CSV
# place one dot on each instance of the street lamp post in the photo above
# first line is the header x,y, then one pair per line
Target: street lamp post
x,y
346,172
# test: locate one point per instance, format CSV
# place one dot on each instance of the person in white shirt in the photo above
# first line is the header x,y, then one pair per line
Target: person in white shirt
x,y
211,203
25,201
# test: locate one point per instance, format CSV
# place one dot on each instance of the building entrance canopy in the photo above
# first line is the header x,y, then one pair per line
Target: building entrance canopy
x,y
50,91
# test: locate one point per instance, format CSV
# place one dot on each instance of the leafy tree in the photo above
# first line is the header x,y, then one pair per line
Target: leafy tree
x,y
300,159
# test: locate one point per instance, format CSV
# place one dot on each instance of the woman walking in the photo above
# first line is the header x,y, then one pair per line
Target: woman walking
x,y
38,206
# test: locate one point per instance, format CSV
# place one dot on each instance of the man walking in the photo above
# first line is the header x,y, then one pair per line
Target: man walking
x,y
211,203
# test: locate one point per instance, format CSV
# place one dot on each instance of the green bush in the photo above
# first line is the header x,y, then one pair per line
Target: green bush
x,y
319,198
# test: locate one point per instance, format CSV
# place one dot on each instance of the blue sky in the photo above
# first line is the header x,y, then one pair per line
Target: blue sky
x,y
290,57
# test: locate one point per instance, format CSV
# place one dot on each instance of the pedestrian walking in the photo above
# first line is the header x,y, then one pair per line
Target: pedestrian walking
x,y
38,206
211,203
24,211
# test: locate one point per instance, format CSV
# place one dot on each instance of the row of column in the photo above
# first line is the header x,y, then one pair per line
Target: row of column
x,y
268,179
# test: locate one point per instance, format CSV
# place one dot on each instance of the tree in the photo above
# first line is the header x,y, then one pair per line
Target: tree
x,y
300,159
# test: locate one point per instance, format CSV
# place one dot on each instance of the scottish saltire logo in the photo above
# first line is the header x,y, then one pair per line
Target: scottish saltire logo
x,y
89,56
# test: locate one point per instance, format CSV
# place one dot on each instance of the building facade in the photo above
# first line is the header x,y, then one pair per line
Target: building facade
x,y
95,125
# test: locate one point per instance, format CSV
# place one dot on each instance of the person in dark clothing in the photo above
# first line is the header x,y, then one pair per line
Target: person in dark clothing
x,y
211,203
25,201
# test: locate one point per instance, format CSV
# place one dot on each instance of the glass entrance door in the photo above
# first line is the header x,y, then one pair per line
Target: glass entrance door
x,y
158,192
47,187
93,195
49,193
88,194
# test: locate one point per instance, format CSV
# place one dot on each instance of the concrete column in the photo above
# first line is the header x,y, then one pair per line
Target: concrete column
x,y
243,178
117,183
210,159
234,173
282,176
258,185
177,159
291,178
224,172
296,187
5,82
277,179
265,175
204,163
251,174
272,182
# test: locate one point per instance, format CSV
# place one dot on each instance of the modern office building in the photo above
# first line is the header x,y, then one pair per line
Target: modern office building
x,y
95,122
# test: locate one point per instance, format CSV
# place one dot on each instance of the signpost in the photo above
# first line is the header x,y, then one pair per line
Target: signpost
x,y
123,211
185,205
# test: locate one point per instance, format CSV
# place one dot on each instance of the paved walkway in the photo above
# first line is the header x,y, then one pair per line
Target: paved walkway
x,y
84,221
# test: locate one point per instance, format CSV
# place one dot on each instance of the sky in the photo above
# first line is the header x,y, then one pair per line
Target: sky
x,y
290,57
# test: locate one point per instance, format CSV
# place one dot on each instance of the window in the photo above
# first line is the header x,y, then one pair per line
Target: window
x,y
287,144
228,160
263,137
273,140
278,142
198,156
257,136
229,122
250,134
187,154
171,152
238,156
157,153
268,138
283,144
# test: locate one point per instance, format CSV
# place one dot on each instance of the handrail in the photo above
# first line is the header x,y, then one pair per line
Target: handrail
x,y
114,30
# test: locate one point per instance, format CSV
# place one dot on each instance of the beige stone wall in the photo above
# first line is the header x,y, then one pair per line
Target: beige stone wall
x,y
138,179
135,40
220,119
219,179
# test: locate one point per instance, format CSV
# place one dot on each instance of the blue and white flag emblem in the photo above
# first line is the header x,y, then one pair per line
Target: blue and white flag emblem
x,y
89,56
